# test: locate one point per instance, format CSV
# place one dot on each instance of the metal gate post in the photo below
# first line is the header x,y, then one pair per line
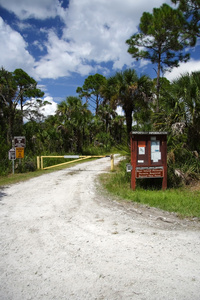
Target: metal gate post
x,y
112,162
42,162
38,162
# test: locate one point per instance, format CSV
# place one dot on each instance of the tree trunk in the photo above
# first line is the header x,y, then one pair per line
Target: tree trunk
x,y
158,83
129,121
10,123
21,103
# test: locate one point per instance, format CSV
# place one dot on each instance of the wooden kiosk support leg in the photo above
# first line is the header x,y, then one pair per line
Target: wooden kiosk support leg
x,y
133,162
133,180
164,181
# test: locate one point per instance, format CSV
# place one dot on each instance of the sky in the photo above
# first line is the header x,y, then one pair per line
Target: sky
x,y
61,42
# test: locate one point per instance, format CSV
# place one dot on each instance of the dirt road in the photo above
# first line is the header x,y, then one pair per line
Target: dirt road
x,y
63,238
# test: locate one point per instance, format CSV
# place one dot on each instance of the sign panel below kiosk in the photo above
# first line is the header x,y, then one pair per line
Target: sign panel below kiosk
x,y
149,172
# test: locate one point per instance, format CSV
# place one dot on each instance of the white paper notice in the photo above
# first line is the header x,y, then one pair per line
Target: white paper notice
x,y
156,156
141,150
155,146
155,151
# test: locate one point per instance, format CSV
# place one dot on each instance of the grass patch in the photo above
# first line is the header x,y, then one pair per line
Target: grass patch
x,y
18,177
183,201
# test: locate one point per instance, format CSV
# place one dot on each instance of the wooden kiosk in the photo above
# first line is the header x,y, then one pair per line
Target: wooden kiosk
x,y
149,156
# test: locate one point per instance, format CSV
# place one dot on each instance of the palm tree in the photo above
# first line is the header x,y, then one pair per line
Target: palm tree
x,y
132,93
74,119
186,91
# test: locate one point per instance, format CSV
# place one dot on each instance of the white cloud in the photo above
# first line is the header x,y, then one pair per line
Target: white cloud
x,y
60,60
38,45
13,50
49,109
93,34
120,111
99,29
25,9
43,88
191,66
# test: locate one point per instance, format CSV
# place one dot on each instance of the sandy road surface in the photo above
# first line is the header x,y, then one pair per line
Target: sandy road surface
x,y
62,238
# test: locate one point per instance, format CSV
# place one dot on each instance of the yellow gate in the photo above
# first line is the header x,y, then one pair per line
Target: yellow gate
x,y
74,157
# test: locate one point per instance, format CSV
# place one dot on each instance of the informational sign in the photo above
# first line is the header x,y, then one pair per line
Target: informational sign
x,y
19,141
149,156
11,154
19,152
149,172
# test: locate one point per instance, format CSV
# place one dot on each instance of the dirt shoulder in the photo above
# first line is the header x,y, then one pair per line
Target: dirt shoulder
x,y
63,237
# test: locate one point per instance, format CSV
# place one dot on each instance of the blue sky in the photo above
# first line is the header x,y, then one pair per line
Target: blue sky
x,y
60,43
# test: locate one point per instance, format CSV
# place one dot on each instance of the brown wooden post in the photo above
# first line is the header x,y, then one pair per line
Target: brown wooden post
x,y
149,150
133,161
164,181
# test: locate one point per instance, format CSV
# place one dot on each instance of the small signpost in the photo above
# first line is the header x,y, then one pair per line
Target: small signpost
x,y
17,151
12,156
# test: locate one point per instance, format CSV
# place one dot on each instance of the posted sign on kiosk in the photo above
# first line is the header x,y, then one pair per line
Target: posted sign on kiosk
x,y
149,156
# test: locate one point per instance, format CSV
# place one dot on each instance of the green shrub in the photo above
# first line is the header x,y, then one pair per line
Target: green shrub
x,y
27,164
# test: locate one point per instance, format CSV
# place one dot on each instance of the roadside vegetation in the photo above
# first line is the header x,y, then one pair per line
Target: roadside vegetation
x,y
183,200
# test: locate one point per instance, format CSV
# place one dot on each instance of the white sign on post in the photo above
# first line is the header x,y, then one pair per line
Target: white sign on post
x,y
11,154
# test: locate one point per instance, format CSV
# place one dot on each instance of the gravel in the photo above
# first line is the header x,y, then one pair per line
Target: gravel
x,y
63,237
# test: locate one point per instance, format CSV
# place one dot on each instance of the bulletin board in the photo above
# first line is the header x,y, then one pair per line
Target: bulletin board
x,y
149,156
